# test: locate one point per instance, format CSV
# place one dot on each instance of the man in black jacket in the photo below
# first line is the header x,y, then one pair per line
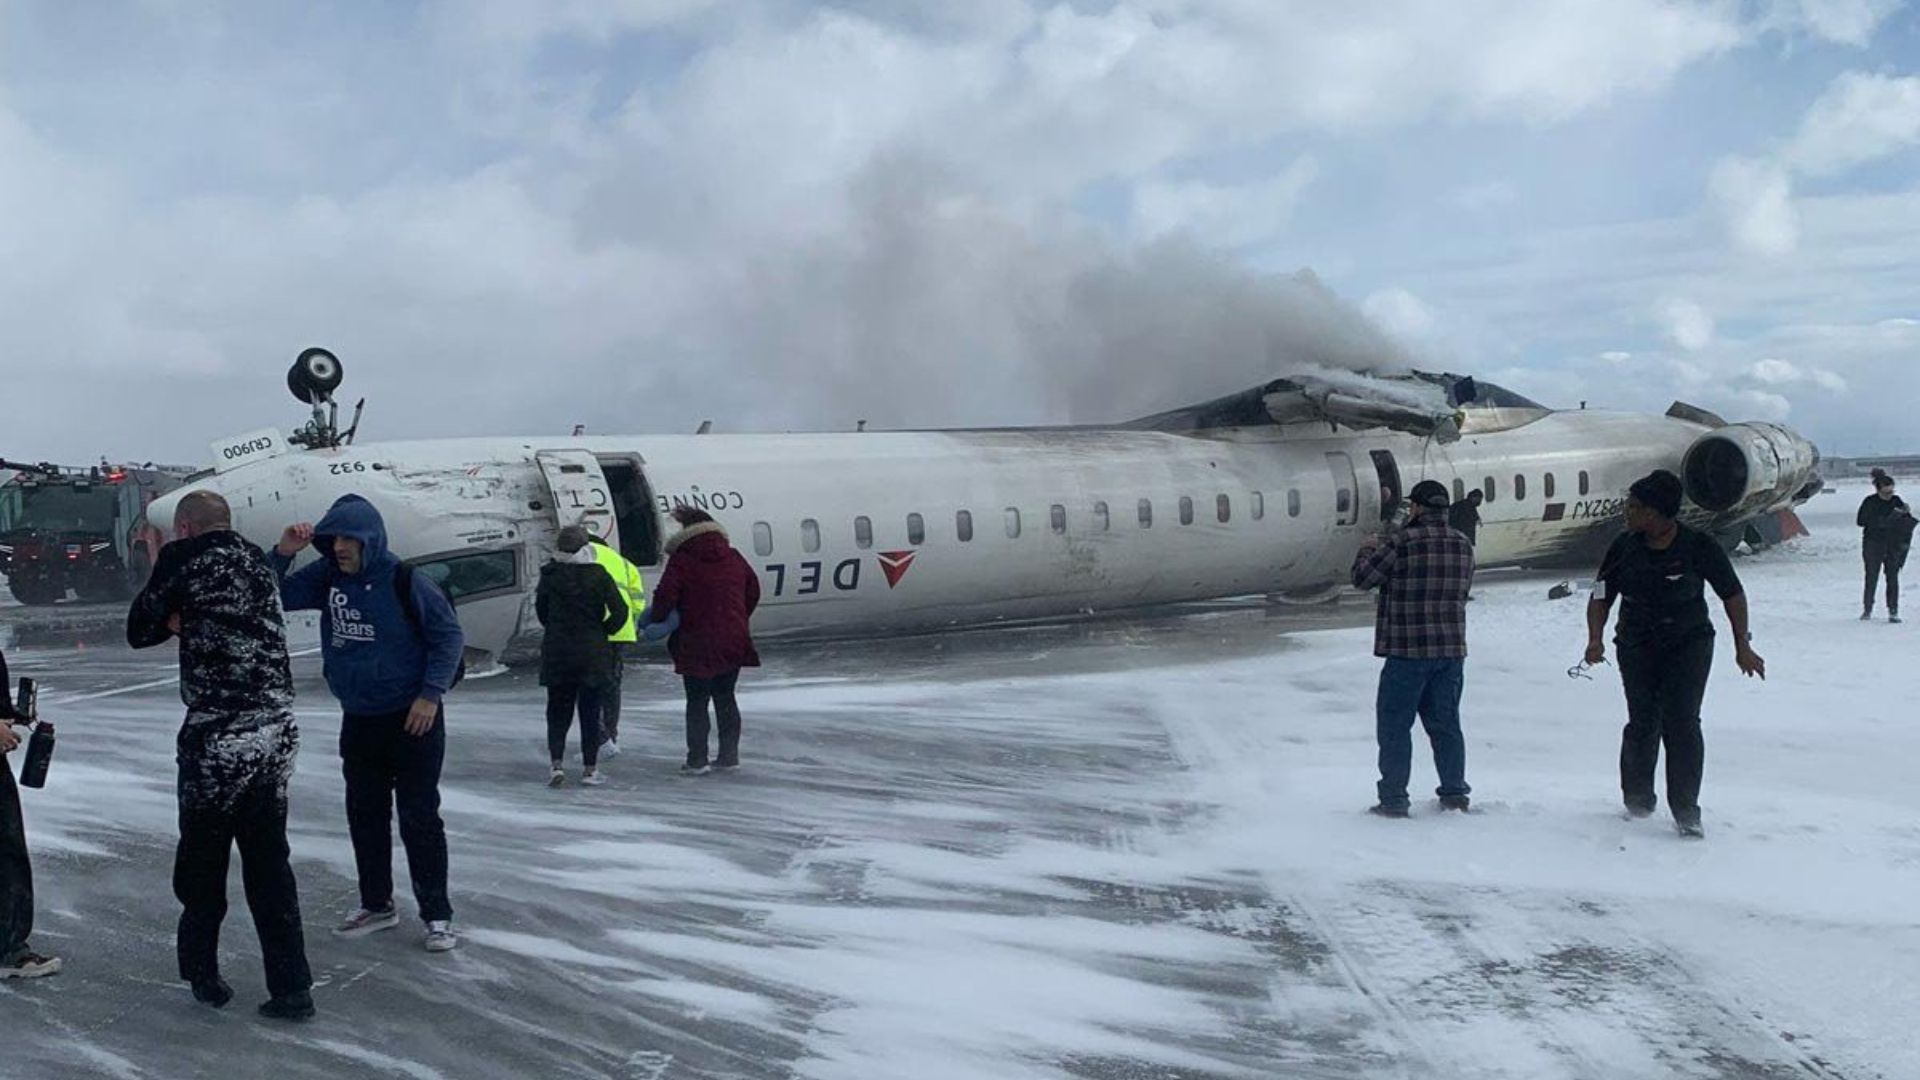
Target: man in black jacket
x,y
1886,534
16,872
215,590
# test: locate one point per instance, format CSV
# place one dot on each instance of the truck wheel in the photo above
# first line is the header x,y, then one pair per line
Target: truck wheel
x,y
34,592
317,371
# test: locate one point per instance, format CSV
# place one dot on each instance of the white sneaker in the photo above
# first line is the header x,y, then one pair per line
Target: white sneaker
x,y
557,778
440,936
30,965
364,922
610,748
592,779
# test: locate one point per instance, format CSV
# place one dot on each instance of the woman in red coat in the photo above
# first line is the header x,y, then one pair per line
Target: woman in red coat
x,y
714,591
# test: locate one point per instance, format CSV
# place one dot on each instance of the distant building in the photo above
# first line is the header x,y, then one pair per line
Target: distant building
x,y
1898,465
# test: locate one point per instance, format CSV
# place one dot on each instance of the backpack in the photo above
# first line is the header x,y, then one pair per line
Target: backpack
x,y
403,588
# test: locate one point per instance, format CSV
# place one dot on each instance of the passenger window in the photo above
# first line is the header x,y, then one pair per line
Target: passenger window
x,y
762,538
1491,492
863,533
465,577
916,530
1059,515
1459,490
1223,509
809,535
1013,523
1546,488
963,525
1259,506
1583,482
1186,510
1520,488
1343,500
1293,502
1101,518
1146,513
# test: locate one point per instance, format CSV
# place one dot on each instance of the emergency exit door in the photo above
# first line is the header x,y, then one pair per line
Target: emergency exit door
x,y
580,492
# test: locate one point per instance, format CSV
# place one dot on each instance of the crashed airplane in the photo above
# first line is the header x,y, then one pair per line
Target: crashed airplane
x,y
1269,491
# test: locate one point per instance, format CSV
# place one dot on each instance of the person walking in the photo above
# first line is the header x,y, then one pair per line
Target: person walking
x,y
391,646
1886,535
1464,516
216,592
1423,572
714,592
1659,571
633,588
17,960
580,609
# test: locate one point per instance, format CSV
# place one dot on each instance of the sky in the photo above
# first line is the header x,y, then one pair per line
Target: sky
x,y
515,217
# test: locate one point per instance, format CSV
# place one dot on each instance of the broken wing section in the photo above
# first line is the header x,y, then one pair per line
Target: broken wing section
x,y
1428,406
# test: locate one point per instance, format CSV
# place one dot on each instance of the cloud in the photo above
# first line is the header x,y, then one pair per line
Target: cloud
x,y
1845,22
1685,323
1221,215
1860,119
1754,201
1773,371
785,214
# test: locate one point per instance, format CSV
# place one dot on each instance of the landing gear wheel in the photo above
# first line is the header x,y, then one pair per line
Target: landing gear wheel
x,y
317,372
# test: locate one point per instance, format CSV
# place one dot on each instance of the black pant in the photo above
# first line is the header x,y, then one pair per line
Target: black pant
x,y
257,822
1878,557
1665,683
383,766
606,699
562,700
718,690
16,873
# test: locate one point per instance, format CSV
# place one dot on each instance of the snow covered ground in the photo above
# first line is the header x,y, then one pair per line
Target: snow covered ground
x,y
1128,850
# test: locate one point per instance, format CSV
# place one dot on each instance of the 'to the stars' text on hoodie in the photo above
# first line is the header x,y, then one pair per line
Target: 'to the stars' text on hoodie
x,y
376,662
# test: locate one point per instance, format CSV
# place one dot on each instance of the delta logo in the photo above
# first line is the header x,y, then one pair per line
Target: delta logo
x,y
895,565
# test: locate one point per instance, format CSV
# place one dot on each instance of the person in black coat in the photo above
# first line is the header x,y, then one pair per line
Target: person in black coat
x,y
17,961
1464,515
580,608
213,590
1886,534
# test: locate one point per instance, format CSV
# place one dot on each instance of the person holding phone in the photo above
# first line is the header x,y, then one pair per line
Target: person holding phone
x,y
17,960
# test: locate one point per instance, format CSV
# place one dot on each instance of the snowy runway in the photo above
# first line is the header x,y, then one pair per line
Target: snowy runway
x,y
1126,850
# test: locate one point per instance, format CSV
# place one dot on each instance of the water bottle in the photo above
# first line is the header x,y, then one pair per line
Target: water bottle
x,y
33,768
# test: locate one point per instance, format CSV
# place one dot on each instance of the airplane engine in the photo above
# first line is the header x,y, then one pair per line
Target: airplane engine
x,y
1749,468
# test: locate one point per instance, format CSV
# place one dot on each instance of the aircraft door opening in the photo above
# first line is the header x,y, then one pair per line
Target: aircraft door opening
x,y
1346,503
633,509
1390,490
580,492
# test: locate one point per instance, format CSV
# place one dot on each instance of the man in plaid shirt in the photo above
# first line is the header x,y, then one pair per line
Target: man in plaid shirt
x,y
1423,572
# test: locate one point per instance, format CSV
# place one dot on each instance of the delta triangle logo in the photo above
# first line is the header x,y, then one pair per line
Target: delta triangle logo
x,y
895,565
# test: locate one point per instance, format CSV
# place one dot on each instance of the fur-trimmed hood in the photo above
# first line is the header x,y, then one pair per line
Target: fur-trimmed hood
x,y
694,532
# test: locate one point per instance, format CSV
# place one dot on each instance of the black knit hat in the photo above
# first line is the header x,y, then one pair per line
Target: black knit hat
x,y
1659,491
1881,479
1431,494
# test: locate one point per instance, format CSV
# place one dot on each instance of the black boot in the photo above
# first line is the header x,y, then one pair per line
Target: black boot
x,y
213,991
296,1006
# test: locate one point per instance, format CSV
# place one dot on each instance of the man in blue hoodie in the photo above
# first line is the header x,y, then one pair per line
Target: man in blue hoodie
x,y
389,666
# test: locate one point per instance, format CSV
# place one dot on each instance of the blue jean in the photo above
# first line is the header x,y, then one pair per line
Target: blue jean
x,y
1430,689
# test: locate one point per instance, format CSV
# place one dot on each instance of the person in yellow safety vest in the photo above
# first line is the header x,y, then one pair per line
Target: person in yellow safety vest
x,y
626,577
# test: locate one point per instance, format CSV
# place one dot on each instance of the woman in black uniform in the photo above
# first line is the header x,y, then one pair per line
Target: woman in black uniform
x,y
1665,643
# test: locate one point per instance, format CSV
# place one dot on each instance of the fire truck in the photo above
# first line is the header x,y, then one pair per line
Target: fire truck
x,y
83,530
